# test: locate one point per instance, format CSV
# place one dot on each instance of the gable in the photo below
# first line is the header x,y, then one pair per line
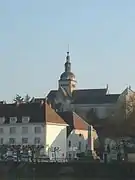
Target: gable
x,y
79,123
52,117
73,120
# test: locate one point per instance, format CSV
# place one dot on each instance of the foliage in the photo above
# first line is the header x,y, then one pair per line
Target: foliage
x,y
18,99
121,120
27,98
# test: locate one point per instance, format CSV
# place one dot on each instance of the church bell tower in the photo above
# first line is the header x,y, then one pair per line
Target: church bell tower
x,y
67,79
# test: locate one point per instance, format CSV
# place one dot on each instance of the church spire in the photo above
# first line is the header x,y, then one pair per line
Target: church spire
x,y
68,57
67,79
68,64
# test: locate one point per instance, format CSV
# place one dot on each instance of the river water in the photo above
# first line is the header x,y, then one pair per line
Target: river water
x,y
68,178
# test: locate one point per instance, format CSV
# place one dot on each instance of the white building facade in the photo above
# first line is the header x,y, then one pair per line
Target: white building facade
x,y
22,134
42,127
81,136
56,140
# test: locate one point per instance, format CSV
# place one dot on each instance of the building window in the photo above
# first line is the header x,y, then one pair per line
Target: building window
x,y
1,141
1,130
2,120
13,120
24,130
24,140
12,140
12,130
37,140
37,130
25,119
69,144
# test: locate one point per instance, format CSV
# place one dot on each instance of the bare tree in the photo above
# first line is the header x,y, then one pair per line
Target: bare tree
x,y
18,99
121,121
27,98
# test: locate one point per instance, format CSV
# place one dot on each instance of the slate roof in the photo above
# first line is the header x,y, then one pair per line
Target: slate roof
x,y
38,112
52,95
105,99
88,96
37,100
67,76
88,92
32,110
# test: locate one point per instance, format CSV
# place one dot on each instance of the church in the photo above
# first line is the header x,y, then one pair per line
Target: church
x,y
81,101
97,107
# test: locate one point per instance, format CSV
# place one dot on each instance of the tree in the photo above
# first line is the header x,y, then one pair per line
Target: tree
x,y
18,99
27,98
92,117
121,120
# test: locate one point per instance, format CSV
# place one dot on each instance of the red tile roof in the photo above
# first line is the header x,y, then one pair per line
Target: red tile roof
x,y
79,123
74,120
52,117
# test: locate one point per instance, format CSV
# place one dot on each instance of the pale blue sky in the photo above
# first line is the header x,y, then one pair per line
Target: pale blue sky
x,y
34,35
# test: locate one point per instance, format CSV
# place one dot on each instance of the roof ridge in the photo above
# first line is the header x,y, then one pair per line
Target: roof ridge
x,y
91,89
112,94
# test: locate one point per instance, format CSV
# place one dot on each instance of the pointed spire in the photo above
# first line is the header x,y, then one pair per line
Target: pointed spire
x,y
68,64
68,57
68,47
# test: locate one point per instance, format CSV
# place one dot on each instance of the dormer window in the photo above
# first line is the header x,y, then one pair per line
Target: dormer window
x,y
13,120
25,119
2,120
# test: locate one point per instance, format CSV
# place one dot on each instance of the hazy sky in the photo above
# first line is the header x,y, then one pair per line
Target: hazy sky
x,y
34,36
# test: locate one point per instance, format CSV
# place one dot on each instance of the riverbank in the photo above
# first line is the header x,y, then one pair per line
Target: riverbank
x,y
73,169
